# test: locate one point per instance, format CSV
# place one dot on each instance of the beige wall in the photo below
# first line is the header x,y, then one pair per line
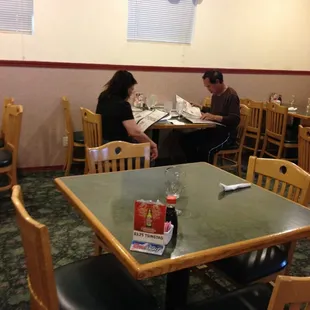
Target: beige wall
x,y
265,34
39,91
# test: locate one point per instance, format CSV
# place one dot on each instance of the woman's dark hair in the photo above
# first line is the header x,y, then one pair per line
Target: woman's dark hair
x,y
213,76
119,84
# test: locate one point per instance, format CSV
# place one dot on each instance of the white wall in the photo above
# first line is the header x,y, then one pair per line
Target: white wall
x,y
249,34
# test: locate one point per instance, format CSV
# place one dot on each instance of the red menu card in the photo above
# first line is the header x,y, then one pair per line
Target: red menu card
x,y
149,222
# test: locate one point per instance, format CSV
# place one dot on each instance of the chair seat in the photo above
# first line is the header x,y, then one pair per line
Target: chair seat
x,y
5,158
100,282
249,267
78,137
1,143
253,297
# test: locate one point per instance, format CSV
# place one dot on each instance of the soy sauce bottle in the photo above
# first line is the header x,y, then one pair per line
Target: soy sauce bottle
x,y
171,214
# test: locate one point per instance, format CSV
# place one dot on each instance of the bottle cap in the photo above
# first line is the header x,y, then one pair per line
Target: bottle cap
x,y
171,199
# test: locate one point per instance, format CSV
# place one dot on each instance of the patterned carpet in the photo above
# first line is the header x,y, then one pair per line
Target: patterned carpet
x,y
71,240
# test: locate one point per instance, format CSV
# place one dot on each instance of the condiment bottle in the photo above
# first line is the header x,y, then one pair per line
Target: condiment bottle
x,y
171,214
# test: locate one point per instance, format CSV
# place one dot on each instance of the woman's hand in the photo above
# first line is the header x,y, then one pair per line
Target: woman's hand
x,y
154,151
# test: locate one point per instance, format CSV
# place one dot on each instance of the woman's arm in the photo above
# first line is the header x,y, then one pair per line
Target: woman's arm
x,y
135,132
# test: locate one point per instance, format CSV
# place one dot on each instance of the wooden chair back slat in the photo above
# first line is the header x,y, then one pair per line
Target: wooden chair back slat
x,y
292,292
118,156
13,129
6,103
92,128
68,120
256,116
290,181
36,243
304,148
276,120
244,118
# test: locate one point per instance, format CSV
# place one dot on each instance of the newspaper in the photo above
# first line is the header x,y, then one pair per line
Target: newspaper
x,y
139,115
150,118
193,114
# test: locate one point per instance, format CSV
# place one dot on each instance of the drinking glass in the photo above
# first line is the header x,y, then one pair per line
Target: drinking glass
x,y
292,101
174,181
151,102
180,107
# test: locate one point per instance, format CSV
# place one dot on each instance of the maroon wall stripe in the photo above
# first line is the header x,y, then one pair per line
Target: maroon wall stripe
x,y
93,66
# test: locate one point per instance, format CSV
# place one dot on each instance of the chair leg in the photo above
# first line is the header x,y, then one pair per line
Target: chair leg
x,y
239,162
256,145
98,249
69,161
215,160
262,153
13,174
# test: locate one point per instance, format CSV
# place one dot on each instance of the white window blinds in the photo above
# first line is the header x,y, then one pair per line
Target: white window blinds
x,y
161,20
16,16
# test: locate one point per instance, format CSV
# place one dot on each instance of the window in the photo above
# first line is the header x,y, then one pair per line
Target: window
x,y
16,16
161,20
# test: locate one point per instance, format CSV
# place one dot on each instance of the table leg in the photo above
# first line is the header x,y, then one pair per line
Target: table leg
x,y
176,289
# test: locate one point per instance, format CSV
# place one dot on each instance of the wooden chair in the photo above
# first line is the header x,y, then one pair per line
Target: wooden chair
x,y
276,129
84,284
206,102
75,138
116,156
283,178
290,290
304,148
6,102
254,127
92,129
288,293
9,153
244,101
233,155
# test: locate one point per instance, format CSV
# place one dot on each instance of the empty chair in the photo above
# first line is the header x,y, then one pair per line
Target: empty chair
x,y
254,128
92,129
304,148
288,293
207,102
6,102
283,178
98,282
116,156
75,138
233,154
276,132
9,153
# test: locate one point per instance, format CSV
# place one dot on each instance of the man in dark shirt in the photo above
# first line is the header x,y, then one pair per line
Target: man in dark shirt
x,y
201,145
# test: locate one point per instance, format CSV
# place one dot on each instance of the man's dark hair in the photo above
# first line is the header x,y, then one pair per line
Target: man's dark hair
x,y
213,76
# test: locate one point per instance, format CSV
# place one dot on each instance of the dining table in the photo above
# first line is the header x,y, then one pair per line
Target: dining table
x,y
181,124
213,224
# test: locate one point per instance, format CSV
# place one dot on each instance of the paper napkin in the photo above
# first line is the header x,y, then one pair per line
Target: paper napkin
x,y
233,187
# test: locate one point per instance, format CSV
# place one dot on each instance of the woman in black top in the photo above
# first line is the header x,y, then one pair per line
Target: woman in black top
x,y
117,119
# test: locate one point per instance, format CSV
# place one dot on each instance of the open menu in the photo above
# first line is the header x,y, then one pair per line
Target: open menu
x,y
147,118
